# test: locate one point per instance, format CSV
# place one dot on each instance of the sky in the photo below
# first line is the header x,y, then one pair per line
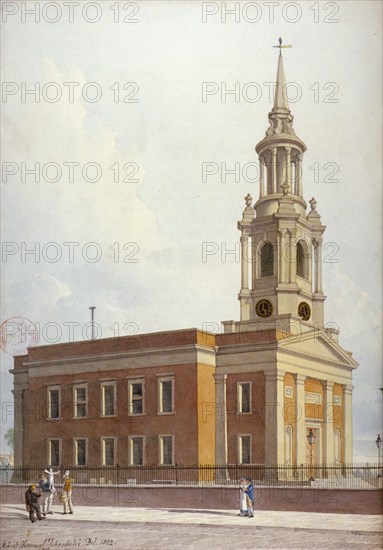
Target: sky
x,y
141,131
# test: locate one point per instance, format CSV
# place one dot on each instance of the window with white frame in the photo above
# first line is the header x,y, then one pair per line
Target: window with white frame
x,y
136,397
108,448
244,449
289,391
54,452
338,400
166,449
80,400
136,444
80,452
54,402
108,398
244,397
166,395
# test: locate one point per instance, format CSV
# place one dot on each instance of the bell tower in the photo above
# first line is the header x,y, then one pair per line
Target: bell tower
x,y
281,244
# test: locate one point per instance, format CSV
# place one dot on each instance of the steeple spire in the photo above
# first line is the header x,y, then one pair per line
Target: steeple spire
x,y
280,152
280,98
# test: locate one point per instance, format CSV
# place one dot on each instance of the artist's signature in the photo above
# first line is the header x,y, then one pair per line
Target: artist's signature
x,y
51,542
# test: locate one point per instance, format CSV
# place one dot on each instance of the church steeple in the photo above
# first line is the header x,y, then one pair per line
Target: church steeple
x,y
280,152
281,271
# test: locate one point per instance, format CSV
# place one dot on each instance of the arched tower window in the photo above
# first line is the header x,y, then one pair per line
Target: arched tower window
x,y
267,260
302,260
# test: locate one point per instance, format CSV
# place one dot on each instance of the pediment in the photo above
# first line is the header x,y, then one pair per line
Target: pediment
x,y
319,346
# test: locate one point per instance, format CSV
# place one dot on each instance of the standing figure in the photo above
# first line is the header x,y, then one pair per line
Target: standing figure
x,y
242,497
47,495
51,475
67,494
33,502
249,490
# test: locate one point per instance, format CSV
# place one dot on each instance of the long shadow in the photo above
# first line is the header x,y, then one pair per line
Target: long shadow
x,y
212,512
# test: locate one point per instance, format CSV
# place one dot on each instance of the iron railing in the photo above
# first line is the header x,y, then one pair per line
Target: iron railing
x,y
353,476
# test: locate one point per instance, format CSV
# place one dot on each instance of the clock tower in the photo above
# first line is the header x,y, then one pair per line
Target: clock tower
x,y
281,244
282,377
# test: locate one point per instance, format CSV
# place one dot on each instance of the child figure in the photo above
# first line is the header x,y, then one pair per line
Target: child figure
x,y
51,475
242,497
249,490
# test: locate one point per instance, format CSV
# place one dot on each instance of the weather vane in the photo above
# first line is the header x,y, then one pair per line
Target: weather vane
x,y
280,46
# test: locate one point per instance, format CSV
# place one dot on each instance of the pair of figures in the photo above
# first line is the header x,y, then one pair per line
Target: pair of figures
x,y
246,502
65,495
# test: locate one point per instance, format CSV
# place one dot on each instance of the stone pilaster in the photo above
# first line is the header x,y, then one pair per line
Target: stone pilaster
x,y
274,169
300,426
221,419
328,424
347,422
244,262
288,168
18,426
274,418
261,177
298,176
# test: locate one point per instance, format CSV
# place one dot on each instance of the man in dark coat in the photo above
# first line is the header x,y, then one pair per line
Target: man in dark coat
x,y
32,502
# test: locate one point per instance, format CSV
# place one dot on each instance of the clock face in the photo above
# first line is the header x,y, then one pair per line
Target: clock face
x,y
304,311
264,308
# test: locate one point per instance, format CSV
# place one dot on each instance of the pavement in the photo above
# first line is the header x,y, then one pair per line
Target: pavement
x,y
125,528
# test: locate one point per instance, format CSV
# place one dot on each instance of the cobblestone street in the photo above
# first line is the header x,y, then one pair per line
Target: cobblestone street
x,y
146,529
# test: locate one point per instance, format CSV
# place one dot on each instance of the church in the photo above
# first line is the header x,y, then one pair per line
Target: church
x,y
274,388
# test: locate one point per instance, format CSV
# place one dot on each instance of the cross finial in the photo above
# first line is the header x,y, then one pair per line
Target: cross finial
x,y
280,46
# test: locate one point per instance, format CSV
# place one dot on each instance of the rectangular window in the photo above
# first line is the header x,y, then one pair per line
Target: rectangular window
x,y
80,452
166,395
244,449
288,391
108,451
108,396
136,451
244,397
166,450
54,403
136,397
80,401
54,457
313,398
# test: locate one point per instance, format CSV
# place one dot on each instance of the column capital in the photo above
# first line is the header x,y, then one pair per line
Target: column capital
x,y
274,376
300,378
220,378
347,389
274,151
327,384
